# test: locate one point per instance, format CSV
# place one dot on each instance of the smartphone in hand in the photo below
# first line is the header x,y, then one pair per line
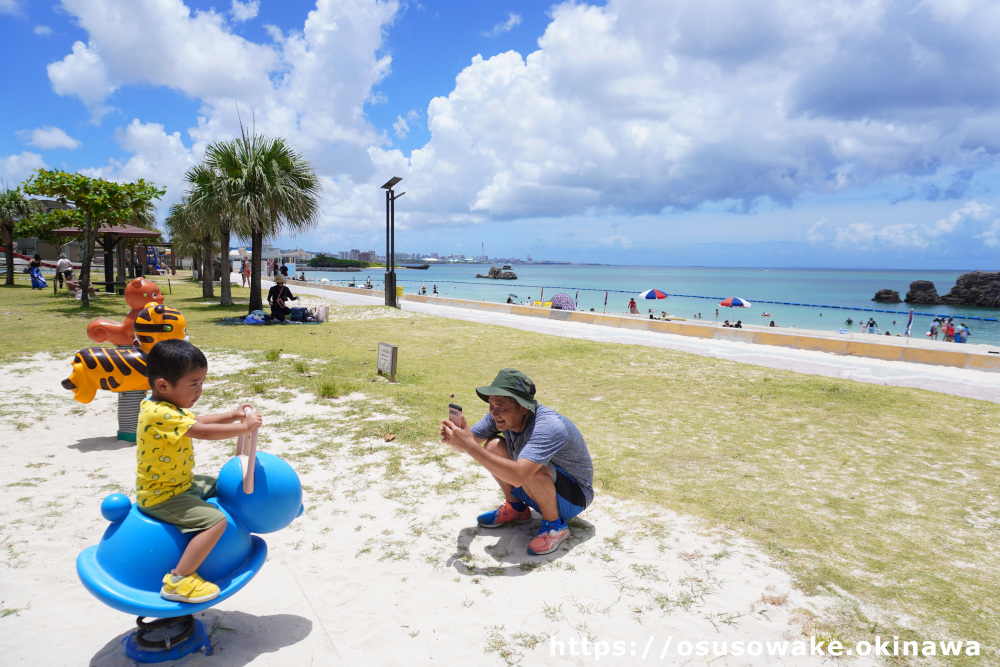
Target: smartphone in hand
x,y
455,414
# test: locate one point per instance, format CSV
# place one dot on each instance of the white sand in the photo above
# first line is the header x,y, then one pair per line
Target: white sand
x,y
377,571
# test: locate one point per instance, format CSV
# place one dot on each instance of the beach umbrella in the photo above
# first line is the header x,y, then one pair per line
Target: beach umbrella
x,y
513,296
652,294
735,302
563,302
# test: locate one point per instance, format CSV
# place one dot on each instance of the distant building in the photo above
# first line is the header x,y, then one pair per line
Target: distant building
x,y
353,254
299,256
367,256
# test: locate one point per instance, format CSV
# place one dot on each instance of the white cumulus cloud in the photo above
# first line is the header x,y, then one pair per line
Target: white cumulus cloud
x,y
48,137
244,11
972,220
163,43
639,107
16,168
634,108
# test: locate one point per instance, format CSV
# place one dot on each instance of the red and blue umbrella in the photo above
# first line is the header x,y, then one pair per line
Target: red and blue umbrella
x,y
652,294
735,302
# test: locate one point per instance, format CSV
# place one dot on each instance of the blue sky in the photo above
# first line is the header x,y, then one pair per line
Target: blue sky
x,y
855,133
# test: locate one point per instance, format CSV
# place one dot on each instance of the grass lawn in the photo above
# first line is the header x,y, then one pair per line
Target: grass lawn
x,y
883,497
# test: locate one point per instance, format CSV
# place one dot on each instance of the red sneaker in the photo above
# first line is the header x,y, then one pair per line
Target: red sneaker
x,y
503,515
547,541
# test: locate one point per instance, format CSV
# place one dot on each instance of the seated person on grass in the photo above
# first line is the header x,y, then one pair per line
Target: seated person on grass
x,y
166,488
74,285
278,296
541,460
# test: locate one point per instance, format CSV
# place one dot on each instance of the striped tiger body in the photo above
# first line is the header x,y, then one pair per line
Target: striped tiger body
x,y
117,370
106,368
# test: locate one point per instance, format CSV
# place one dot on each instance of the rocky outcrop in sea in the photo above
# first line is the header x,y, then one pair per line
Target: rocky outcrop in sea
x,y
496,274
976,288
886,296
922,291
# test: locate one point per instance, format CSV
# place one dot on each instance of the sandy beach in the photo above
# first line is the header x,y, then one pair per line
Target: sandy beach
x,y
393,570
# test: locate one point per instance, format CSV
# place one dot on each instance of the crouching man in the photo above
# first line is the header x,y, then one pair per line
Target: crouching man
x,y
537,456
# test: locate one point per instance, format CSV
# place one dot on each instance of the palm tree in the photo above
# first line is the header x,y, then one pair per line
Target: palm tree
x,y
14,206
191,235
211,202
271,187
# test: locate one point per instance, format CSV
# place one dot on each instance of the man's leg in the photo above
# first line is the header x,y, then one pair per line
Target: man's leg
x,y
542,490
514,510
498,447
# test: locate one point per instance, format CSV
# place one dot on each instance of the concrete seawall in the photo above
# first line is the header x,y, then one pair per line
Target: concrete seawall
x,y
973,357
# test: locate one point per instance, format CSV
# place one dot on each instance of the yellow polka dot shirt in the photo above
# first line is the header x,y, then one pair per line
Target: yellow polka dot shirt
x,y
164,455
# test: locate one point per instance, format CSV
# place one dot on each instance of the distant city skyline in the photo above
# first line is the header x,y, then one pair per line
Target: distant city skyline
x,y
837,134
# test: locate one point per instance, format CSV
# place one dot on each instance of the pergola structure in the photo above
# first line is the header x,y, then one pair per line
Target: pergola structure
x,y
108,237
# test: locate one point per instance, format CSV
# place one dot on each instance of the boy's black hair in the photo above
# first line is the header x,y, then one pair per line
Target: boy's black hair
x,y
172,359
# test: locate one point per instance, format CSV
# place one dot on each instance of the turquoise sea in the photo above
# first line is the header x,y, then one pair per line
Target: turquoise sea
x,y
826,297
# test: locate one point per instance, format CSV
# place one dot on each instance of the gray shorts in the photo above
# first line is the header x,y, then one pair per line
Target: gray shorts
x,y
189,511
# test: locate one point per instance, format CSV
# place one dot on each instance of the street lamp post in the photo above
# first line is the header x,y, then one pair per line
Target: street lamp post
x,y
390,240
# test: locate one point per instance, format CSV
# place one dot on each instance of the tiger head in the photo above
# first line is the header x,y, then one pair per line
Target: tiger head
x,y
157,322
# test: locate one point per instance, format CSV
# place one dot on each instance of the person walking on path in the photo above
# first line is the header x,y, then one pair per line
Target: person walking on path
x,y
537,457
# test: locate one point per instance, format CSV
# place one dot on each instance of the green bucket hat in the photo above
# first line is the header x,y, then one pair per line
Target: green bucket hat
x,y
512,384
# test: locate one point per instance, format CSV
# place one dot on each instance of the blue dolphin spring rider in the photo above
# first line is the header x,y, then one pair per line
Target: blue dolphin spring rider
x,y
258,493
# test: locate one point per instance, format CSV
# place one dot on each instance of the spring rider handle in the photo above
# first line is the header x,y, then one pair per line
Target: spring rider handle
x,y
248,456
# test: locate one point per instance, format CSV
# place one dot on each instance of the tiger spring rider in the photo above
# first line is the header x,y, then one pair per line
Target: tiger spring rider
x,y
118,370
123,370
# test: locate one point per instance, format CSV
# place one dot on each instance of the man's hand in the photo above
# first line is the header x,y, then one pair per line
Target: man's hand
x,y
459,437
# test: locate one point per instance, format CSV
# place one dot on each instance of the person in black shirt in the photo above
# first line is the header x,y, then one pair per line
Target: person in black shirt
x,y
278,297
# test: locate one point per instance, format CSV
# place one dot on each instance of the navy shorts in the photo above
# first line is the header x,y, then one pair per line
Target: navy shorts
x,y
569,495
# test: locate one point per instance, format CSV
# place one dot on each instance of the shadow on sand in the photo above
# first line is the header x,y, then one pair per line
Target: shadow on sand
x,y
511,551
239,637
103,443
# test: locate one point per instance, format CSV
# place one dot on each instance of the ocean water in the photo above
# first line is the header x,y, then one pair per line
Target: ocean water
x,y
827,296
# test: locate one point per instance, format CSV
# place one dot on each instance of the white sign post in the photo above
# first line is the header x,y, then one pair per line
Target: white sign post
x,y
387,360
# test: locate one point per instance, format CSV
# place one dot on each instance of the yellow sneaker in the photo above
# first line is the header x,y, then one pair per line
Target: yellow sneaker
x,y
191,588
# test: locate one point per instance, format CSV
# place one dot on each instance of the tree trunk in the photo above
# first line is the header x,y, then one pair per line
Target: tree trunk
x,y
120,256
86,256
256,253
8,249
207,290
226,288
